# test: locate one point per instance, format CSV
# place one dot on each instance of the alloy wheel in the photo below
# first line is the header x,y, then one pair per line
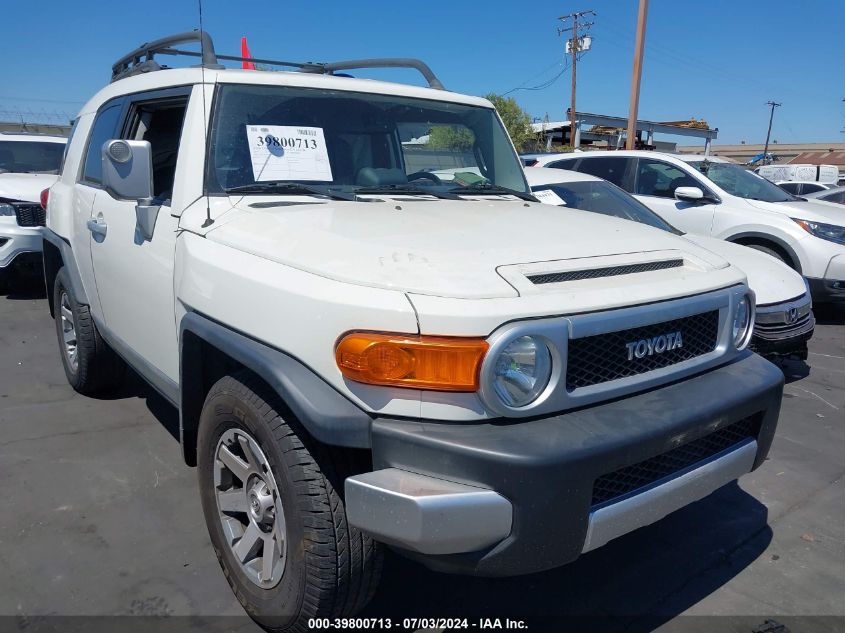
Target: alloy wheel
x,y
69,332
249,508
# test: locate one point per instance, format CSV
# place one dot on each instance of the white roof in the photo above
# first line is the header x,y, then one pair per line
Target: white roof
x,y
538,176
187,76
29,136
545,126
652,154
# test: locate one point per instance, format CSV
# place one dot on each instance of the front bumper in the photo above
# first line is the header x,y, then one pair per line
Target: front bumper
x,y
16,240
511,497
827,290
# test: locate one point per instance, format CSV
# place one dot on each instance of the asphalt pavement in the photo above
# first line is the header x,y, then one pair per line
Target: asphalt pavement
x,y
101,517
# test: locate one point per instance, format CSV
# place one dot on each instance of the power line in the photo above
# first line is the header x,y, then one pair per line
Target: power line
x,y
542,72
9,98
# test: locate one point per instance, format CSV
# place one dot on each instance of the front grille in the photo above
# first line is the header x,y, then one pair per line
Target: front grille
x,y
775,331
626,480
30,215
604,357
611,271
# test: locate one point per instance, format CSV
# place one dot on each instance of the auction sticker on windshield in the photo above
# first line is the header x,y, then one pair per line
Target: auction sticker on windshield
x,y
288,152
547,196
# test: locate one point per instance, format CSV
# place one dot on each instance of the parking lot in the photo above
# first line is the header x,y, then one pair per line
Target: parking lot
x,y
101,517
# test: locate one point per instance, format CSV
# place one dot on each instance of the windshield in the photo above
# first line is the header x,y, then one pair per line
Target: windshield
x,y
742,183
608,199
346,141
30,157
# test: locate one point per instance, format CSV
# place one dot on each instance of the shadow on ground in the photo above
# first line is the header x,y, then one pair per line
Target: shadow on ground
x,y
793,370
22,286
633,584
829,313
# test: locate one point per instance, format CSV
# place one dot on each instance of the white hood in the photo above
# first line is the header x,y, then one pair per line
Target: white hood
x,y
813,210
25,187
447,248
771,280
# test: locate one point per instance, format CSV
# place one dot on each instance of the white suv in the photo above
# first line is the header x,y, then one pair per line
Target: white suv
x,y
363,352
711,196
29,164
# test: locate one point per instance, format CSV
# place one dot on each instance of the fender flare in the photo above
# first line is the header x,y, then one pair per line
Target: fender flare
x,y
325,413
67,260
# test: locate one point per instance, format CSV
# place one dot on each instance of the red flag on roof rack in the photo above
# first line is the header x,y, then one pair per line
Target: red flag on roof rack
x,y
245,53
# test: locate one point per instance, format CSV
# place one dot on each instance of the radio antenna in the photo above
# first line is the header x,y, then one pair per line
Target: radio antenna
x,y
208,221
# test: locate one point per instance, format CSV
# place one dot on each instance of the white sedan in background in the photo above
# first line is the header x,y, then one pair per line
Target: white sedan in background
x,y
784,321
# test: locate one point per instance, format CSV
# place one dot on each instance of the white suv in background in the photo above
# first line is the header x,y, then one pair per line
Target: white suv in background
x,y
29,164
711,196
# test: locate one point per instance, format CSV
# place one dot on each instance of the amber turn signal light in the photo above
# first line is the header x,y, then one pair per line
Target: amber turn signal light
x,y
438,363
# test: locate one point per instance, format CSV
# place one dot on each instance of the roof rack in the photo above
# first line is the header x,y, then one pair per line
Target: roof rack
x,y
133,64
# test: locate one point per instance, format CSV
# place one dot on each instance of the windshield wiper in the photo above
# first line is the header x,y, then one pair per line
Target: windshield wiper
x,y
275,186
491,189
406,190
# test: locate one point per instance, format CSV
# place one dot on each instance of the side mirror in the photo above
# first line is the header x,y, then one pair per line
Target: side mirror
x,y
128,175
689,194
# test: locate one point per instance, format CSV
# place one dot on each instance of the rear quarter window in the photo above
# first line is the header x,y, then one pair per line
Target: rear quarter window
x,y
104,128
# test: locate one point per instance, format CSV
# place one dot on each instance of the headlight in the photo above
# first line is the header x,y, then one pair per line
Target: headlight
x,y
7,209
742,322
521,371
830,232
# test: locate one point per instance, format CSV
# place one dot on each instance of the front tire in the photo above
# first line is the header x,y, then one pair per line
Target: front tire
x,y
90,365
272,500
770,252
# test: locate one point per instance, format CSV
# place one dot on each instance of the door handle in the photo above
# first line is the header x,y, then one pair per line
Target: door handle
x,y
97,227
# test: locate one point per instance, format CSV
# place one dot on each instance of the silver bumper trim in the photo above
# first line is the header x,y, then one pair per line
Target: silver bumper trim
x,y
614,520
425,514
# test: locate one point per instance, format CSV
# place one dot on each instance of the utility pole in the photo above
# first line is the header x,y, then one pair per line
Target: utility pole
x,y
636,76
769,133
575,45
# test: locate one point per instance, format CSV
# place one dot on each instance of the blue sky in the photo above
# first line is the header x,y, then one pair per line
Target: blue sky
x,y
720,60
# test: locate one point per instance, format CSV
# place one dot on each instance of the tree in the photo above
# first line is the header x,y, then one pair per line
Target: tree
x,y
450,137
516,120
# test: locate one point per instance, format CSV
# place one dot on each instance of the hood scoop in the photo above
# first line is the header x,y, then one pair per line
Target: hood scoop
x,y
606,271
609,273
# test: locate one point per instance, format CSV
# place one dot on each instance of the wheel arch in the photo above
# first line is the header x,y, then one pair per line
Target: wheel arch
x,y
57,254
772,241
210,351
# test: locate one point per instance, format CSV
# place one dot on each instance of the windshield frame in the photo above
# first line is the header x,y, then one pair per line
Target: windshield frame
x,y
697,164
212,186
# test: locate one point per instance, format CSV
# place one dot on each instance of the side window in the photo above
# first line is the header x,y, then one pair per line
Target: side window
x,y
569,163
102,130
656,178
610,168
838,197
792,187
160,123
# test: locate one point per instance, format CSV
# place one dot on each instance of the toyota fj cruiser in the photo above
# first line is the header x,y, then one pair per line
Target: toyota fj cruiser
x,y
374,334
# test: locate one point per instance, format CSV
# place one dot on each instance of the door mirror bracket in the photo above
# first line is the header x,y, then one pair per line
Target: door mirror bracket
x,y
146,215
